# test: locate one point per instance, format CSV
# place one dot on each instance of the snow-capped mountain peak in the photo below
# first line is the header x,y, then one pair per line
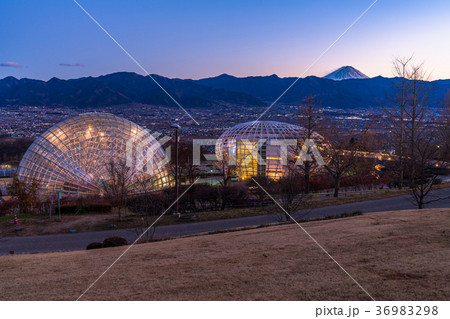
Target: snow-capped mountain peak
x,y
345,73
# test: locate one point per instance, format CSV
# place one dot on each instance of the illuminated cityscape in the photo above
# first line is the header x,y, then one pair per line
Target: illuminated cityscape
x,y
225,151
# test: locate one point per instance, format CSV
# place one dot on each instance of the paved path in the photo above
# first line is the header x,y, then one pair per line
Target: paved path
x,y
69,242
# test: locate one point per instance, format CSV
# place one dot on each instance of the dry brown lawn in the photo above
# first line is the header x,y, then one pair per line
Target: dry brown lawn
x,y
393,255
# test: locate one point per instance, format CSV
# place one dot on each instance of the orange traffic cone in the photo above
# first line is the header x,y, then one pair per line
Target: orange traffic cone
x,y
16,221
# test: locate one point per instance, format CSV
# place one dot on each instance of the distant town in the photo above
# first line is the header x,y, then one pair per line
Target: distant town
x,y
32,121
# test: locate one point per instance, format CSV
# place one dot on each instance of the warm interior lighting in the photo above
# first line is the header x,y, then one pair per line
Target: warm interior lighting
x,y
77,162
248,147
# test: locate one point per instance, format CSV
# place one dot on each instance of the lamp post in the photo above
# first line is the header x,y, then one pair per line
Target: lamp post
x,y
176,127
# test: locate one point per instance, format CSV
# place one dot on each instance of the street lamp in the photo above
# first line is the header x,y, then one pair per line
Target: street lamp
x,y
176,127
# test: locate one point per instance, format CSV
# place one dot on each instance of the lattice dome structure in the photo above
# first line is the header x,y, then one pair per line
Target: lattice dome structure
x,y
73,156
253,148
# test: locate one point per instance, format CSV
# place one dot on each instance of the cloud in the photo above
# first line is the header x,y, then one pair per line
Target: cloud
x,y
11,64
71,64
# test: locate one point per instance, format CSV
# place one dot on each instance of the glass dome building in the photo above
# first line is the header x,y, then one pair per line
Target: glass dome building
x,y
254,149
73,156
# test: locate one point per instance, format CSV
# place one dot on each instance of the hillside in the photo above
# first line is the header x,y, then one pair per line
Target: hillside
x,y
116,89
349,93
394,256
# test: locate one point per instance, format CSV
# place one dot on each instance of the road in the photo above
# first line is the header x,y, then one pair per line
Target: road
x,y
79,241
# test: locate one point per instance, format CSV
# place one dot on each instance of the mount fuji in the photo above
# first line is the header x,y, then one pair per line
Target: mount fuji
x,y
345,73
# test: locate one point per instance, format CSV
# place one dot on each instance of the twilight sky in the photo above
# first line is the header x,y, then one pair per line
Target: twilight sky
x,y
42,39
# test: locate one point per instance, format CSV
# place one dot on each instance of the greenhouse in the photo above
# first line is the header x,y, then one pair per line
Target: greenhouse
x,y
75,156
255,148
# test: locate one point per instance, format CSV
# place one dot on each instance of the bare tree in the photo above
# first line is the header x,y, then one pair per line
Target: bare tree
x,y
290,193
372,142
205,195
309,119
226,171
116,187
26,194
424,161
430,153
340,151
420,150
416,112
259,185
186,168
396,110
149,205
233,195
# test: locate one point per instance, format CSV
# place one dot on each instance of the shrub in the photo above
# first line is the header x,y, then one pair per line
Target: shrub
x,y
234,195
8,207
98,208
66,209
149,204
318,183
94,246
114,241
82,208
207,196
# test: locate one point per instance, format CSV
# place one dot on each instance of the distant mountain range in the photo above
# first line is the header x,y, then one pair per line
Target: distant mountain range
x,y
343,88
350,93
116,89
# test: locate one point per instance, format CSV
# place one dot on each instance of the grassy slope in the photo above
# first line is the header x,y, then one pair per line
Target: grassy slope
x,y
393,255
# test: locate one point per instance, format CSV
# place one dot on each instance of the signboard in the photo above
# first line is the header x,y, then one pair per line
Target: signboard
x,y
379,168
59,195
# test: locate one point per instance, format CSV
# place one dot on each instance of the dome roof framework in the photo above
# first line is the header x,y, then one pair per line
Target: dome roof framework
x,y
253,147
73,155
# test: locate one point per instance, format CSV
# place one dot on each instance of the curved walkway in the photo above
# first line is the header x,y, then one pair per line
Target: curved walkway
x,y
70,242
